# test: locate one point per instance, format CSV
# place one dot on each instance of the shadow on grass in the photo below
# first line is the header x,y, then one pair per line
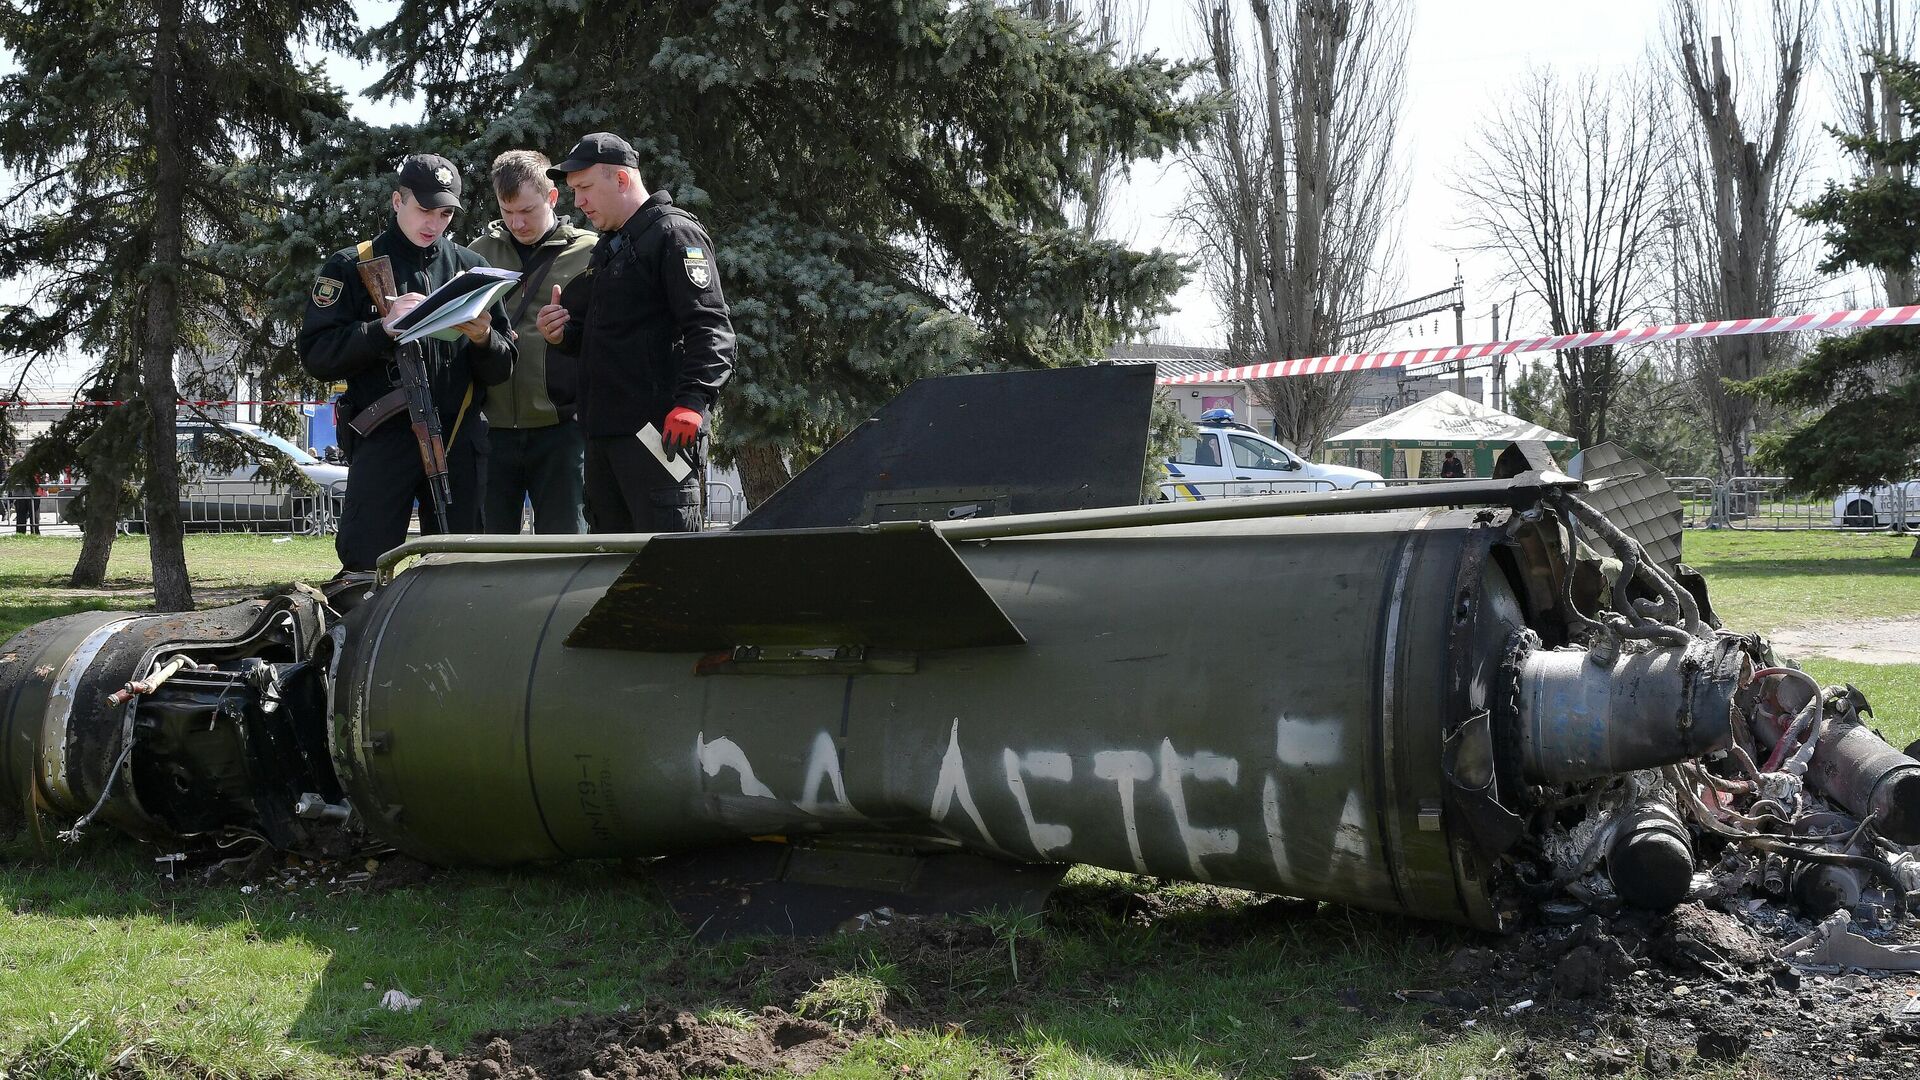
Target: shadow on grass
x,y
17,617
1127,972
1811,567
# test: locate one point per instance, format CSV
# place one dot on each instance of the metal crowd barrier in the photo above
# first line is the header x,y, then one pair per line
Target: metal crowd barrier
x,y
205,506
725,506
39,509
260,506
1411,481
1764,503
1696,499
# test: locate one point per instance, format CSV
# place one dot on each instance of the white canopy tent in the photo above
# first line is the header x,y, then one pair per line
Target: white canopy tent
x,y
1447,421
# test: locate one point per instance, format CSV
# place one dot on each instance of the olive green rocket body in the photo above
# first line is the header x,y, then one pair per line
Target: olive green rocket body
x,y
1258,704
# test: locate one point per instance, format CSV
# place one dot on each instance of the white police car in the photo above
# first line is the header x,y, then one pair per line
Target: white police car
x,y
1224,459
1879,506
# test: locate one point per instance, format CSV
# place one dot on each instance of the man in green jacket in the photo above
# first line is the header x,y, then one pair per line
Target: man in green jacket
x,y
537,445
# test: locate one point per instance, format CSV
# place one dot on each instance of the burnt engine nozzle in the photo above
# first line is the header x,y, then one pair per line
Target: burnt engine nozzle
x,y
1580,718
1821,890
1865,775
1650,861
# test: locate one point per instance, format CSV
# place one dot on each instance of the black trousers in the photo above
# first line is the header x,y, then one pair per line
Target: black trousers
x,y
628,491
385,479
544,465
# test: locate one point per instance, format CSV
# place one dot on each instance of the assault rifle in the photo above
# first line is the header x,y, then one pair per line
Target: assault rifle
x,y
377,275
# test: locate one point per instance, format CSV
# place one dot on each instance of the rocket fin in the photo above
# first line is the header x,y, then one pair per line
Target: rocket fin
x,y
973,446
894,588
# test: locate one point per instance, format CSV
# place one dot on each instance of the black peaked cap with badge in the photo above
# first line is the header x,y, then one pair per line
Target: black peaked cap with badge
x,y
433,181
599,148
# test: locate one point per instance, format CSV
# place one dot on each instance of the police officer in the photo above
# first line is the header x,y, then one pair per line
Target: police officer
x,y
536,447
650,327
345,337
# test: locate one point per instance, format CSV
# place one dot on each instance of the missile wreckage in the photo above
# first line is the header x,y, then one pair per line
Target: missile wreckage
x,y
940,666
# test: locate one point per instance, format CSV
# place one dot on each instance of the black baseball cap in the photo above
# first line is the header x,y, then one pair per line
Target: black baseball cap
x,y
432,179
599,148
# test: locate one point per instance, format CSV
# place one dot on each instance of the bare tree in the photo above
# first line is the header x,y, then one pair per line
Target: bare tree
x,y
1561,184
1742,166
1113,27
1856,32
1296,187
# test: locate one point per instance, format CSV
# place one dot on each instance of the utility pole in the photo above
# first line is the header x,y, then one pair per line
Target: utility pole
x,y
1460,325
1673,220
1498,370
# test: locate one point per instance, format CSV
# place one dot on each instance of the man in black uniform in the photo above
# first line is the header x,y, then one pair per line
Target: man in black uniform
x,y
651,330
345,337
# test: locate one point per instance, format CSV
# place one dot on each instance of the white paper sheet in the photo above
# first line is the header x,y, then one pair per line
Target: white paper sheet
x,y
676,466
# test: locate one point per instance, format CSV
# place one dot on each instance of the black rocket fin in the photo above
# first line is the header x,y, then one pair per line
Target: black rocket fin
x,y
970,446
898,588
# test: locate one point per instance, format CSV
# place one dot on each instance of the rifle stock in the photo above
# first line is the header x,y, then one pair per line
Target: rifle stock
x,y
377,275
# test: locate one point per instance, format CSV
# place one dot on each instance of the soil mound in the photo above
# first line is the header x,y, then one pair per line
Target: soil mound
x,y
667,1045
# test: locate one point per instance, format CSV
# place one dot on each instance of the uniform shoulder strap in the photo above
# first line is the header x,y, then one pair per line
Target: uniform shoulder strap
x,y
659,214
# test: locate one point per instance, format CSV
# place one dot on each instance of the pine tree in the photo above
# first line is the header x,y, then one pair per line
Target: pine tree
x,y
884,181
129,125
1860,394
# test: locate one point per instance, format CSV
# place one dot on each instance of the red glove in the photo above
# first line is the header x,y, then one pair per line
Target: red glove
x,y
681,429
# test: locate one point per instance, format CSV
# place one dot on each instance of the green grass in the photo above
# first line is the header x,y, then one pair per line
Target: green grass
x,y
1763,581
259,982
207,980
1892,689
105,967
34,572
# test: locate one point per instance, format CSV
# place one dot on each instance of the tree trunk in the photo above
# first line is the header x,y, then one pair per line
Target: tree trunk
x,y
106,469
1744,220
172,591
100,525
762,472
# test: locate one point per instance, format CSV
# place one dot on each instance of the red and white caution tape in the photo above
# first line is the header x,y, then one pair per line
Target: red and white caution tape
x,y
108,404
1858,318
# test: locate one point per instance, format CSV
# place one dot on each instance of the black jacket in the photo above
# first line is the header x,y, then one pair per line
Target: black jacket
x,y
341,337
649,322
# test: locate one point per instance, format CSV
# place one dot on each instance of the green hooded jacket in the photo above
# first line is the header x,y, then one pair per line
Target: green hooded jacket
x,y
541,391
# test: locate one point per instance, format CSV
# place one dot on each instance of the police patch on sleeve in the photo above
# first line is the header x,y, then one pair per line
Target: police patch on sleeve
x,y
698,271
326,290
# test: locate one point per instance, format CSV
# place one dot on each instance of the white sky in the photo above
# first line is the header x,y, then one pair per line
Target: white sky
x,y
1463,55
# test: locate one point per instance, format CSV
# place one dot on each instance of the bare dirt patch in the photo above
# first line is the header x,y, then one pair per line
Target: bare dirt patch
x,y
668,1044
1672,995
1862,641
941,963
1697,991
